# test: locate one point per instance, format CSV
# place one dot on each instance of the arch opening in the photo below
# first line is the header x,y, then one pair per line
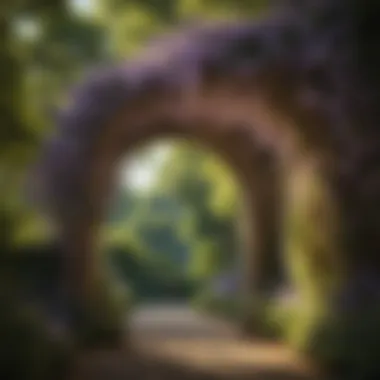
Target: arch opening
x,y
240,213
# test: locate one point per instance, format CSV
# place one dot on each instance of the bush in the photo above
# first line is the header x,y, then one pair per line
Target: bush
x,y
104,319
224,307
347,346
30,347
265,318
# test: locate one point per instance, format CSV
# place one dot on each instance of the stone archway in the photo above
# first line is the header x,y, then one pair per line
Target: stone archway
x,y
122,107
296,85
255,167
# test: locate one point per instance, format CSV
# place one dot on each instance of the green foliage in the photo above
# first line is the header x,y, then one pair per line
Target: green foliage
x,y
265,318
45,46
228,308
148,278
313,251
345,342
176,228
104,316
202,184
348,345
311,248
189,227
216,9
42,49
30,348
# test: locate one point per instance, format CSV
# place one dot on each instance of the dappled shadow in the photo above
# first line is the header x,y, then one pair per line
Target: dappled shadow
x,y
173,342
114,365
